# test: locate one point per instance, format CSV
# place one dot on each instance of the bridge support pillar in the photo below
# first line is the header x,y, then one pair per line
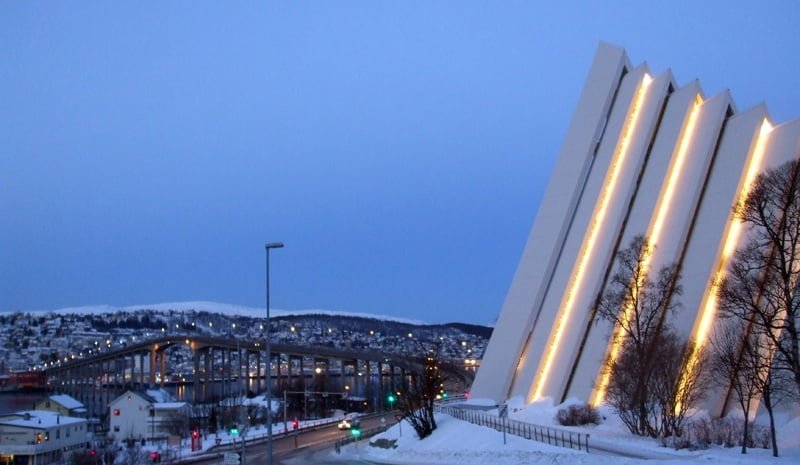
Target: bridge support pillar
x,y
163,366
195,374
152,367
141,370
258,371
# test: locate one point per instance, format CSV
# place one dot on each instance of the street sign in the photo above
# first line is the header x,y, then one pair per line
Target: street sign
x,y
231,458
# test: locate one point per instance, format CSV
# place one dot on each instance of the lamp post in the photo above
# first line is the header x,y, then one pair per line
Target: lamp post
x,y
267,246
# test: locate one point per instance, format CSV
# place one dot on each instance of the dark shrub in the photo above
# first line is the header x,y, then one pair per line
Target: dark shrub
x,y
578,415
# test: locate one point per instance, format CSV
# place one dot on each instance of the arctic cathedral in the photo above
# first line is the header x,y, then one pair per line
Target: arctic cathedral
x,y
643,155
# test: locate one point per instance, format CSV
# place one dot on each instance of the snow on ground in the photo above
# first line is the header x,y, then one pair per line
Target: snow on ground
x,y
457,442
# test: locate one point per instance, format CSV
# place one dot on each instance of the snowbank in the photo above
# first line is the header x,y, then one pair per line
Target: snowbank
x,y
460,443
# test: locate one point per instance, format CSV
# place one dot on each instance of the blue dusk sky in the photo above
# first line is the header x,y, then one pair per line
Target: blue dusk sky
x,y
399,149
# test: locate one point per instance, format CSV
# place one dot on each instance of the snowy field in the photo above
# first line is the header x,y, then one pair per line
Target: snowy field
x,y
460,443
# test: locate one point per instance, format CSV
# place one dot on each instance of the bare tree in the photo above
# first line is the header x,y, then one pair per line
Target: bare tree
x,y
416,404
675,393
646,388
761,283
647,302
230,411
735,365
133,456
773,385
636,305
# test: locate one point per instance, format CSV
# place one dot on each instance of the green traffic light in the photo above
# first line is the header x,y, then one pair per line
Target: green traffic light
x,y
391,398
234,431
356,432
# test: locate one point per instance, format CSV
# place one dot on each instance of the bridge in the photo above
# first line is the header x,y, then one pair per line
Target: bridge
x,y
219,367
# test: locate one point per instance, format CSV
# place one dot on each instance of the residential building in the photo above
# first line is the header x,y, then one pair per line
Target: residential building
x,y
63,404
40,437
142,416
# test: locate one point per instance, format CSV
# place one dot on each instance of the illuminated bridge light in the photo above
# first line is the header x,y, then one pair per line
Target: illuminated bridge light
x,y
588,247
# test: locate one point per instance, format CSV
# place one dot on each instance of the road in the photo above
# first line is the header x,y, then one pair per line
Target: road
x,y
311,446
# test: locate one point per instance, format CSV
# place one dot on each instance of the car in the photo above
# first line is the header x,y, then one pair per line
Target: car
x,y
349,421
344,424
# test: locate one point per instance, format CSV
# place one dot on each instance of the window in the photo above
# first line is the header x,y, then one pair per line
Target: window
x,y
58,434
152,412
116,412
116,428
47,404
38,438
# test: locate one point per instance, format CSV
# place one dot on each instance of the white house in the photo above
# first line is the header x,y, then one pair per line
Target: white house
x,y
40,437
140,416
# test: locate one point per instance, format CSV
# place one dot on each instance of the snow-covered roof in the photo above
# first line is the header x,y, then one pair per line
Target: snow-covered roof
x,y
68,402
160,395
38,419
169,405
141,395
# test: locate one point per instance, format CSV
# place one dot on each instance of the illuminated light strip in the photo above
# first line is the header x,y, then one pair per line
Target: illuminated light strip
x,y
677,168
598,218
733,234
664,206
731,241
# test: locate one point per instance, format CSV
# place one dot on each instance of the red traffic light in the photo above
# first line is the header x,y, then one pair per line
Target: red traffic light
x,y
92,452
295,423
195,434
155,457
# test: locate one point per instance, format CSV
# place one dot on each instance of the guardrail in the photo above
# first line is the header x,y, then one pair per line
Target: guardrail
x,y
545,434
368,433
306,425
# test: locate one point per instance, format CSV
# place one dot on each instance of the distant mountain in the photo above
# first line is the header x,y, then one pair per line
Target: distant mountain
x,y
227,309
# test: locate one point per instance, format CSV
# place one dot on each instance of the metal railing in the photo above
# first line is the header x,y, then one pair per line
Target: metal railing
x,y
367,433
545,434
277,432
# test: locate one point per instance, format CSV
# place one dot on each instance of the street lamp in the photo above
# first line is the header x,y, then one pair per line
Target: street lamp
x,y
267,246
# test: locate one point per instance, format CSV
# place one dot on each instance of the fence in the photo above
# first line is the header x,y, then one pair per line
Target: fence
x,y
545,434
277,433
364,434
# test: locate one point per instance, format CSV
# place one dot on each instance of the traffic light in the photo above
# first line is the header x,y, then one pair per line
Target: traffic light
x,y
155,457
195,434
356,430
92,452
234,430
295,424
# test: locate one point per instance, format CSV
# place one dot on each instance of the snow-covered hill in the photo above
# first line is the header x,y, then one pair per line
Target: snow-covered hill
x,y
227,309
